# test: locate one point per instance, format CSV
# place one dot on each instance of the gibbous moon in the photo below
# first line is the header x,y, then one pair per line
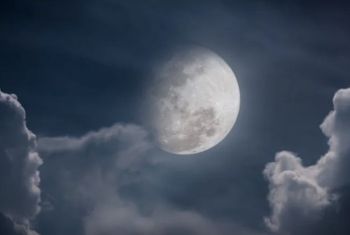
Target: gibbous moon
x,y
193,102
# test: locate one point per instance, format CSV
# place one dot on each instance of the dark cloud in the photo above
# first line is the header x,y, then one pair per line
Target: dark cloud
x,y
81,65
109,178
19,162
8,227
300,196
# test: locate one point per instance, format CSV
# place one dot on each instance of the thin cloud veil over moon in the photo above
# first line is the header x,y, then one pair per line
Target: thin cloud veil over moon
x,y
193,101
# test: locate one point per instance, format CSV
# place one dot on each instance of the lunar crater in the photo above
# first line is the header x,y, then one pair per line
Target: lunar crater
x,y
194,102
198,124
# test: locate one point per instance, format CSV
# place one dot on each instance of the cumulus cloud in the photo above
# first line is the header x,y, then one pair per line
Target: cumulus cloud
x,y
19,162
299,194
106,177
296,197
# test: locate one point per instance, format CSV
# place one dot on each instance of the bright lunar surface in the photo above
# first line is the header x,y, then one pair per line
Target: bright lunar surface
x,y
194,102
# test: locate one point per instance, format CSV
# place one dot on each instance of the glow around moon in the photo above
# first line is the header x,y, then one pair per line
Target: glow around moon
x,y
193,102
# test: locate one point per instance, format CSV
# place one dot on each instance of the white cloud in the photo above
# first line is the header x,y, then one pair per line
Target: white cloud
x,y
19,162
296,197
298,194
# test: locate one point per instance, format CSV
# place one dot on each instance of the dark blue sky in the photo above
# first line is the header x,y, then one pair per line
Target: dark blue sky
x,y
78,66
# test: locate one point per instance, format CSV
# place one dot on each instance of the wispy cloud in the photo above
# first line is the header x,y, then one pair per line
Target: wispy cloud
x,y
103,174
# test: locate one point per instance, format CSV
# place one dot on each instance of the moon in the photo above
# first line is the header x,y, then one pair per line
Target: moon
x,y
193,103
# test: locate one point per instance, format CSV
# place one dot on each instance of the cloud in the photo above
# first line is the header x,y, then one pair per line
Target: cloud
x,y
296,197
107,181
8,227
299,195
119,143
128,220
19,162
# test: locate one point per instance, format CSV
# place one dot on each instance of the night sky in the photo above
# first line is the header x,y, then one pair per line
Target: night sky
x,y
79,69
